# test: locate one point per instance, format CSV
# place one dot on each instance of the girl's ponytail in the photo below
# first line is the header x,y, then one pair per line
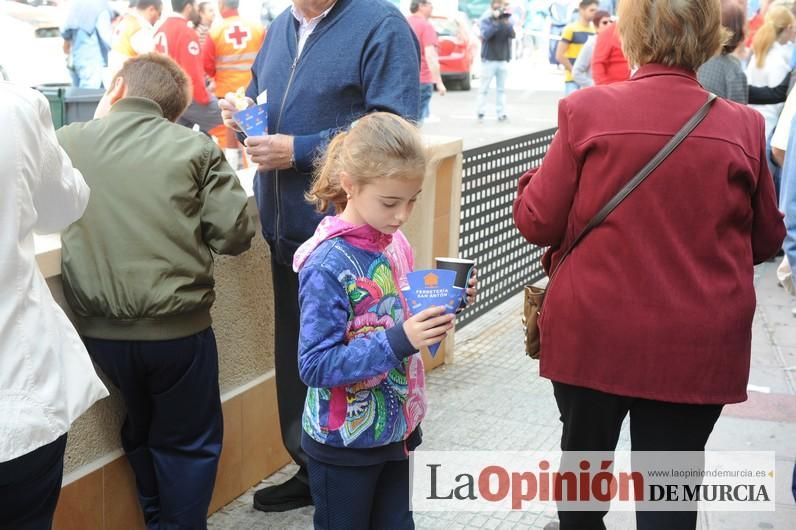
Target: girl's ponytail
x,y
764,39
777,20
326,190
377,145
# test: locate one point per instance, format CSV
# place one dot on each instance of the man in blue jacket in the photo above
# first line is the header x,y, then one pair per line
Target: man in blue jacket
x,y
324,63
497,31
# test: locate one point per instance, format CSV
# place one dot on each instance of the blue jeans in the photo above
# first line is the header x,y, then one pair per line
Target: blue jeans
x,y
374,496
173,429
497,70
426,90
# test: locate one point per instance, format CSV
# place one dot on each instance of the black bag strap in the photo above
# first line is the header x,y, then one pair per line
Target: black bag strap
x,y
628,188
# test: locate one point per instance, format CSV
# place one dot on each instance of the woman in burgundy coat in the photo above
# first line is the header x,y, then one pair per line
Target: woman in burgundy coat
x,y
651,314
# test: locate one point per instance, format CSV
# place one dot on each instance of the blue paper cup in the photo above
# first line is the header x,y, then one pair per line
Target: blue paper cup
x,y
463,269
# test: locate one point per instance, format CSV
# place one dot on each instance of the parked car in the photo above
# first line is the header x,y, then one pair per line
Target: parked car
x,y
456,49
31,48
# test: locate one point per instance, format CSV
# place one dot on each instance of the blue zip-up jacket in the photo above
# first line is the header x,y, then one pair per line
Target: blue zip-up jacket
x,y
362,57
496,38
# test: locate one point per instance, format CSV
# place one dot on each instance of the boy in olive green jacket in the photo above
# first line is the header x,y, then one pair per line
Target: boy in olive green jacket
x,y
138,275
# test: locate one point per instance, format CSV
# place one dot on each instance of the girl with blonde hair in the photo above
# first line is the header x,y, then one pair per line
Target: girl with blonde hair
x,y
358,347
770,62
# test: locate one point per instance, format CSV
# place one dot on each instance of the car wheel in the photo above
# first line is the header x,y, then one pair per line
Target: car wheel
x,y
464,84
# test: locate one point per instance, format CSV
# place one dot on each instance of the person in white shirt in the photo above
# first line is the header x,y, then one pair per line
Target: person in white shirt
x,y
786,159
770,62
781,136
46,377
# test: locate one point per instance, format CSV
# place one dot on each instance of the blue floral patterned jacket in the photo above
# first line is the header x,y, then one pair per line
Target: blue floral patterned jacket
x,y
366,380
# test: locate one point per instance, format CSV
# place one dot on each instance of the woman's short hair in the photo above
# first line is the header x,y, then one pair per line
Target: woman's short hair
x,y
598,16
733,18
684,33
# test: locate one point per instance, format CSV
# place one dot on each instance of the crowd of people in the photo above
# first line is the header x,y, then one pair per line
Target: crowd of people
x,y
144,198
137,262
216,56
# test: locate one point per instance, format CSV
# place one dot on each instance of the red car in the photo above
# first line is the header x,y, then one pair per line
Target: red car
x,y
456,50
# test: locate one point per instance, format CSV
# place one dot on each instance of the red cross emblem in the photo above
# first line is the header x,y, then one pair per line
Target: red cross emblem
x,y
237,36
161,43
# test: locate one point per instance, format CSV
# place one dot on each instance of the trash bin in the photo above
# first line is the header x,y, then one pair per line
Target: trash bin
x,y
71,104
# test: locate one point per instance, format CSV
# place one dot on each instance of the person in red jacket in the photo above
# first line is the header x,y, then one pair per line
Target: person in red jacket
x,y
608,64
651,314
177,39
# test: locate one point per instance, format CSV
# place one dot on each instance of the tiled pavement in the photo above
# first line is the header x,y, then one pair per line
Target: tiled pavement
x,y
492,398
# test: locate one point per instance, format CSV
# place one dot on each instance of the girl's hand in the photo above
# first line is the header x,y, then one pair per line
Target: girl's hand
x,y
428,327
472,289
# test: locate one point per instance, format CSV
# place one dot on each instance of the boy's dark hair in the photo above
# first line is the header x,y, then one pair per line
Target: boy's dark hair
x,y
586,3
143,4
159,78
179,5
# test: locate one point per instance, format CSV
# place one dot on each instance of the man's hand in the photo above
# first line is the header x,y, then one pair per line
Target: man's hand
x,y
441,90
561,51
428,327
228,108
273,151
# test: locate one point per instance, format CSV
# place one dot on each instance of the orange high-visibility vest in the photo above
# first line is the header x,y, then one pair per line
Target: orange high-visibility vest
x,y
236,42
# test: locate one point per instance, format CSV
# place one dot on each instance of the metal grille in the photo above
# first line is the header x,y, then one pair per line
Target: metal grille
x,y
505,261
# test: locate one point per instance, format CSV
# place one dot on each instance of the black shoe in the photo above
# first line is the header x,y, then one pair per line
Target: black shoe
x,y
480,118
503,117
284,497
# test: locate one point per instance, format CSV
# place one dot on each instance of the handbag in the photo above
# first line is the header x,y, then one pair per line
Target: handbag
x,y
535,294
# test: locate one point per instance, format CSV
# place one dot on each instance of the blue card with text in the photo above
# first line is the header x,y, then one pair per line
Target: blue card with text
x,y
432,288
253,121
